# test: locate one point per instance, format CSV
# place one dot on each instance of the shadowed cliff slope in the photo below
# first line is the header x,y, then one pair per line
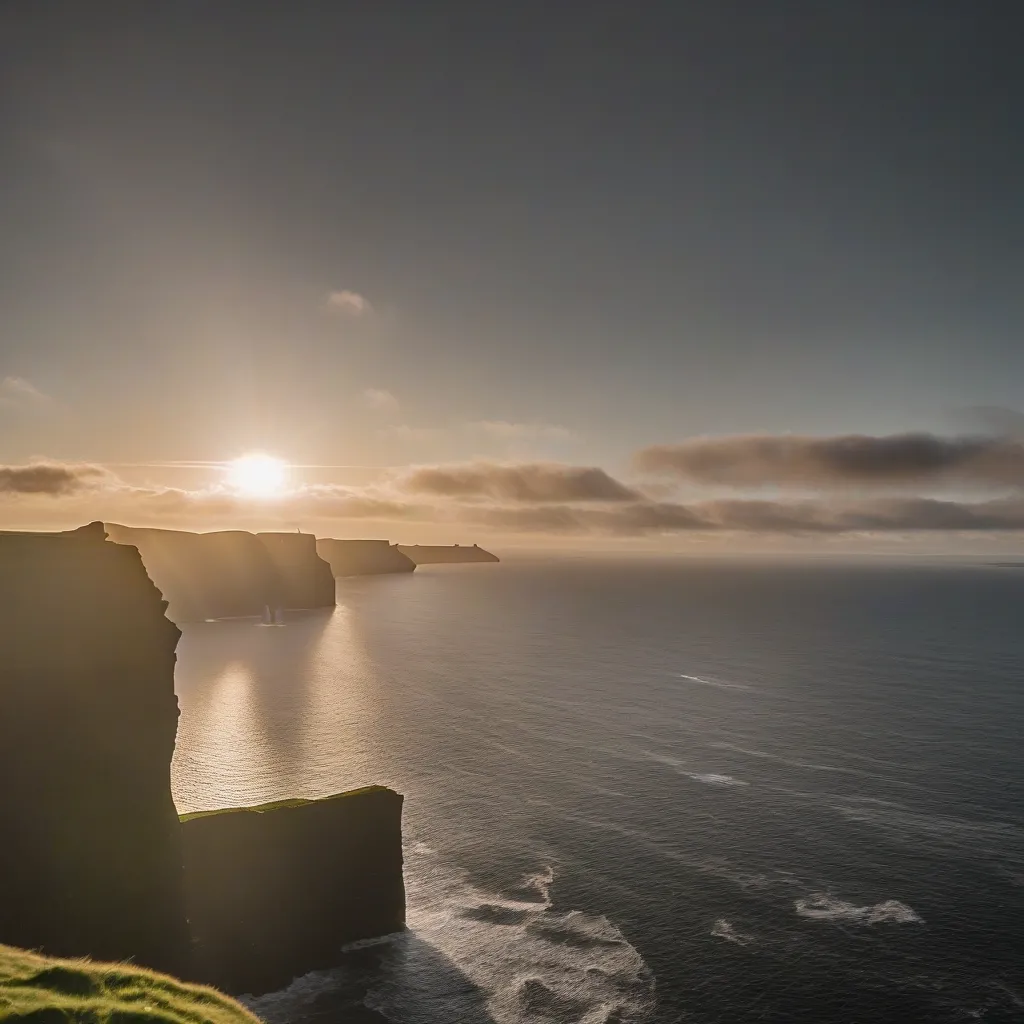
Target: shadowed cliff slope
x,y
47,991
275,891
363,557
303,578
90,852
435,554
230,573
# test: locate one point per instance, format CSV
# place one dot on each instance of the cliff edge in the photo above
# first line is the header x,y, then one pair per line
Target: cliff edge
x,y
363,557
90,854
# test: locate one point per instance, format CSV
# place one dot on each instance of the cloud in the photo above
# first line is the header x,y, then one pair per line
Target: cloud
x,y
349,303
526,482
827,463
380,400
21,393
51,478
503,430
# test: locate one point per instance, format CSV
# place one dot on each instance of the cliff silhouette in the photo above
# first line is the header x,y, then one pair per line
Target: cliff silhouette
x,y
363,557
90,856
94,860
434,554
230,573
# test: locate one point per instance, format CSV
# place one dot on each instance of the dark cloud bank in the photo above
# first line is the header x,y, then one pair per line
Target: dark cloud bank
x,y
829,463
50,478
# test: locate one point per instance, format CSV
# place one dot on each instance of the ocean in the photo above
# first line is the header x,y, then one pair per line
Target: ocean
x,y
671,790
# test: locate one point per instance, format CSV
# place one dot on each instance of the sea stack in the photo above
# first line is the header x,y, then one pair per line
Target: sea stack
x,y
90,845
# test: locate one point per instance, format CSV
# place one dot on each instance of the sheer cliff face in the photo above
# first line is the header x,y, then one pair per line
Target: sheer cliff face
x,y
230,573
302,578
274,892
90,854
363,557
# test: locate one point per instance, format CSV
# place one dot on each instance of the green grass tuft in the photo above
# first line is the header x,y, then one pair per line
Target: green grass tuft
x,y
41,990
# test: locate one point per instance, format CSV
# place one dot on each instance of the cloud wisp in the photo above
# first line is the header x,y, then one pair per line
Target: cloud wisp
x,y
348,303
380,400
17,392
842,462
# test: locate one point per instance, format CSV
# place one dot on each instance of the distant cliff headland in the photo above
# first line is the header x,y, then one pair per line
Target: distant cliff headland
x,y
94,860
233,573
436,554
363,557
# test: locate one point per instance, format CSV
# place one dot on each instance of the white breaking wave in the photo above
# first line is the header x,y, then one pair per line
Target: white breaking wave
x,y
823,907
709,778
721,929
476,958
713,779
718,684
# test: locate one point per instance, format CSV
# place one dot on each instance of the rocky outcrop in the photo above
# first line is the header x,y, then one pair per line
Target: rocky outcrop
x,y
432,554
90,851
230,573
363,557
302,578
275,891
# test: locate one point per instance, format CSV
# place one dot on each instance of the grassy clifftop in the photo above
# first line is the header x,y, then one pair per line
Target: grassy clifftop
x,y
42,990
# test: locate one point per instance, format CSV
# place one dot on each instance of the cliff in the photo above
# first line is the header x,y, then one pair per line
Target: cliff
x,y
38,988
275,891
432,554
230,573
302,578
363,557
90,845
94,860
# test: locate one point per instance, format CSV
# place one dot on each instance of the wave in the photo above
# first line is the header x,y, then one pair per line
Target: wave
x,y
721,929
708,778
718,684
480,957
713,779
822,907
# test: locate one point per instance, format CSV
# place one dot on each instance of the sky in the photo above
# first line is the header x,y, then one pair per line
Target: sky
x,y
384,240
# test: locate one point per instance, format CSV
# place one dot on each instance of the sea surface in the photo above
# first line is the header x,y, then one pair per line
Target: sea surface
x,y
652,790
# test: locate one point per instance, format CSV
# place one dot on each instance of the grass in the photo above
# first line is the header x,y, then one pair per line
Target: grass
x,y
41,990
278,805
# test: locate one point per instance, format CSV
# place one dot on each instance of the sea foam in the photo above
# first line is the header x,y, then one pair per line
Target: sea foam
x,y
478,957
824,907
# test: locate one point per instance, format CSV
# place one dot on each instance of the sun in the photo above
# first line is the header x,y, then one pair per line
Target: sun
x,y
258,476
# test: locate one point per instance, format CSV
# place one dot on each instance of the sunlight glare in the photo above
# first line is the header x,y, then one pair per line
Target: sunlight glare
x,y
258,475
